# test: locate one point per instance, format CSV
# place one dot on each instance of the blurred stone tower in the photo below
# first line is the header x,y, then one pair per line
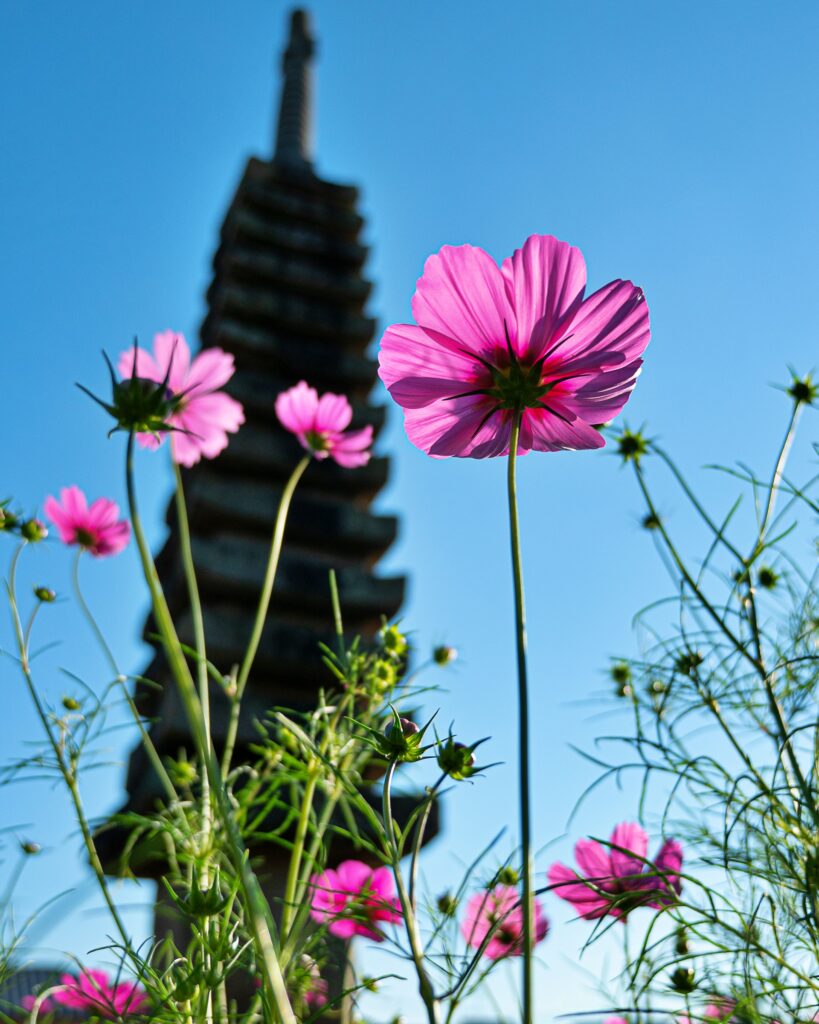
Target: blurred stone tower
x,y
288,300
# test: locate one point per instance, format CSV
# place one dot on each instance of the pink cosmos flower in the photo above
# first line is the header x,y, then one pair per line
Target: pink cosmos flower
x,y
618,878
95,529
354,898
94,991
320,424
205,415
490,341
720,1008
46,1006
502,904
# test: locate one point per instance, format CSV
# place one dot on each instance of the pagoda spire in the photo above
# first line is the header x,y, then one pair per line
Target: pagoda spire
x,y
294,132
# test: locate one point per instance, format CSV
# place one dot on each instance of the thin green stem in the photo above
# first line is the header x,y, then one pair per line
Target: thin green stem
x,y
425,988
147,742
523,728
276,542
294,868
67,771
261,921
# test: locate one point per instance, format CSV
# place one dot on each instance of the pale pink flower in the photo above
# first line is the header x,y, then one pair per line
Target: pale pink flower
x,y
354,898
46,1005
618,878
489,341
96,530
205,415
320,424
720,1009
500,909
94,991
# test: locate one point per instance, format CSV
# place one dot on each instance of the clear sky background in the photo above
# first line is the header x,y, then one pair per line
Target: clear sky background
x,y
675,143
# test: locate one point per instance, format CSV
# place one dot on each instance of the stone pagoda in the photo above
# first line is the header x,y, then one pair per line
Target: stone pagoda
x,y
288,300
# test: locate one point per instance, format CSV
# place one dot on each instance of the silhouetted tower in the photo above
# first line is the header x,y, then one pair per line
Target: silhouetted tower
x,y
288,300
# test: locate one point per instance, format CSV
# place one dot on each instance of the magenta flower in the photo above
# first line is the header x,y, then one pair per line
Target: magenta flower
x,y
46,1005
96,529
94,991
500,908
491,341
618,878
354,898
204,415
320,424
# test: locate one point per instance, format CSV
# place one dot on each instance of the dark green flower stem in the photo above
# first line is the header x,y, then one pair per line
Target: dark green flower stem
x,y
276,542
523,728
260,919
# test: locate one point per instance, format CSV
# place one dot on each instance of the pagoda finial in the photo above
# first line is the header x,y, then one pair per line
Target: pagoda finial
x,y
294,131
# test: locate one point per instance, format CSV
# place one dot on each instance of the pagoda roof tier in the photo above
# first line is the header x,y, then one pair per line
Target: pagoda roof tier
x,y
231,565
272,453
287,310
250,262
302,238
288,661
319,362
257,390
249,504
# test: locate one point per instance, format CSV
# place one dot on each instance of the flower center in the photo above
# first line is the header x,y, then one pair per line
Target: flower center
x,y
316,440
85,538
518,387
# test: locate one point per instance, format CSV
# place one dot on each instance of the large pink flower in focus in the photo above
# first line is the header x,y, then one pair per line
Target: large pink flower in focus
x,y
320,424
205,415
354,898
93,991
500,908
96,529
491,340
618,878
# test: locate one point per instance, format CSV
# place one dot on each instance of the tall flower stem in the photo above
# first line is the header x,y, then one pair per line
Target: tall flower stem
x,y
262,926
276,542
523,727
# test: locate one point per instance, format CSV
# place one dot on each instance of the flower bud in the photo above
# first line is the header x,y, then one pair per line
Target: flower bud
x,y
621,672
657,688
456,760
8,520
34,530
70,704
444,655
401,741
394,642
29,848
45,595
803,391
683,980
508,876
370,984
651,521
687,662
447,904
681,942
767,578
384,675
631,445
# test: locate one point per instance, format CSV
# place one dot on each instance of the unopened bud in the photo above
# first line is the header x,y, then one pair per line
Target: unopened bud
x,y
45,594
394,642
508,876
631,445
444,655
447,904
456,760
767,578
401,741
30,848
34,530
70,704
803,391
683,980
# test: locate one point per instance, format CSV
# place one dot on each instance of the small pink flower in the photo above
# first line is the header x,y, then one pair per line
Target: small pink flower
x,y
618,878
95,529
317,995
320,424
93,991
205,415
489,342
500,908
720,1009
354,898
46,1005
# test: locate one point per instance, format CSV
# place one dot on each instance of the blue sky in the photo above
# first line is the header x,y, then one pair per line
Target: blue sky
x,y
674,143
